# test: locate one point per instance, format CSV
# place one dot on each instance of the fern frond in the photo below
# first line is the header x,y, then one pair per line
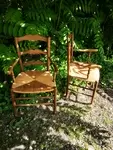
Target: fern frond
x,y
16,29
21,31
13,15
86,6
5,28
10,29
31,29
1,27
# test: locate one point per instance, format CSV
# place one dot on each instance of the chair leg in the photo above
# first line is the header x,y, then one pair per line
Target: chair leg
x,y
67,88
94,91
14,103
54,101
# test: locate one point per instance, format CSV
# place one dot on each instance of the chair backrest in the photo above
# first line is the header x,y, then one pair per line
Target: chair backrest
x,y
35,48
71,47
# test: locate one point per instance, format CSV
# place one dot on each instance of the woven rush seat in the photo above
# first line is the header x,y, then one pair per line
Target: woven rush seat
x,y
33,82
85,71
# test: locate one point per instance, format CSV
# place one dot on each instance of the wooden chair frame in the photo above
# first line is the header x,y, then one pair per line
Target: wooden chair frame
x,y
84,71
35,81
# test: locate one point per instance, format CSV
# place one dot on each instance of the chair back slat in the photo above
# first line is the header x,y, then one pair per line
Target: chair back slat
x,y
29,63
33,50
31,38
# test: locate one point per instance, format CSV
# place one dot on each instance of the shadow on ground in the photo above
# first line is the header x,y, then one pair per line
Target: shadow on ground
x,y
40,129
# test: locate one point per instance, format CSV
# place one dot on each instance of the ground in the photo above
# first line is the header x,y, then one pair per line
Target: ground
x,y
76,125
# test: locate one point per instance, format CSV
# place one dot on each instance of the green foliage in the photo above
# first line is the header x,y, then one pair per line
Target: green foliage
x,y
107,74
5,103
7,55
13,15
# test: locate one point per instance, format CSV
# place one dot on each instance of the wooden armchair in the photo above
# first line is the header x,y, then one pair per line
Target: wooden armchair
x,y
84,71
33,80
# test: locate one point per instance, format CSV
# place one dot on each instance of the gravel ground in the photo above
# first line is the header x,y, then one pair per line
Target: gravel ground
x,y
76,125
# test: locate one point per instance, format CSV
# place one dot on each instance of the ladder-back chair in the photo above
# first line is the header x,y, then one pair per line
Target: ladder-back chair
x,y
82,71
33,80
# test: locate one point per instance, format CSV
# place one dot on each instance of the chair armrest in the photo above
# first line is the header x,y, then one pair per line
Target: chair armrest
x,y
55,69
95,66
12,66
10,71
89,52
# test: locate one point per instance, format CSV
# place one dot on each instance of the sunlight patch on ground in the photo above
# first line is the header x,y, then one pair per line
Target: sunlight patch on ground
x,y
25,137
63,136
20,147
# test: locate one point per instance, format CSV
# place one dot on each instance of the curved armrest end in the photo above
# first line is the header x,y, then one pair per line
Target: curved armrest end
x,y
95,66
9,72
